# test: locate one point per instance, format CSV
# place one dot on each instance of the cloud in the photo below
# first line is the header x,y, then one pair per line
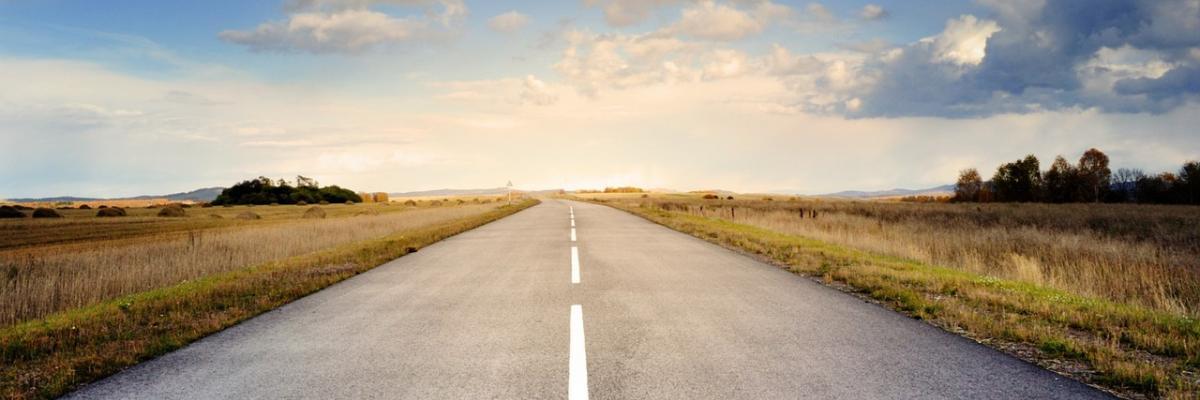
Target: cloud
x,y
627,12
344,26
964,42
534,91
508,22
873,12
1116,56
712,21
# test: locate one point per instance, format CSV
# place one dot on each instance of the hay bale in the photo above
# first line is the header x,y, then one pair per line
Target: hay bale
x,y
110,212
10,212
323,202
314,212
46,213
248,215
349,202
302,203
85,207
172,211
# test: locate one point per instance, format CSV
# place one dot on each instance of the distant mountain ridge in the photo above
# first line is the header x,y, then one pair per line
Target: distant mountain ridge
x,y
860,194
467,192
205,194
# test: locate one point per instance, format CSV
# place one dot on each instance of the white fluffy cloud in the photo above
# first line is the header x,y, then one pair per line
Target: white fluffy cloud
x,y
872,12
627,12
712,21
345,26
508,22
964,41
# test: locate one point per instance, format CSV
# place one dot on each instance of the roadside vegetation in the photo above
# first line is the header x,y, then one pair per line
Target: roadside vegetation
x,y
75,311
1106,293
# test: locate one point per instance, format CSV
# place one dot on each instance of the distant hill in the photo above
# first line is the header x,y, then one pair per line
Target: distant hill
x,y
469,192
205,194
453,192
859,194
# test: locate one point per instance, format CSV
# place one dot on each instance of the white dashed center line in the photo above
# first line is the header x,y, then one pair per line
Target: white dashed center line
x,y
577,386
572,234
574,264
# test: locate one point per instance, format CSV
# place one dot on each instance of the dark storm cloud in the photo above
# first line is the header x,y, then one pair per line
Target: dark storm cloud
x,y
1042,58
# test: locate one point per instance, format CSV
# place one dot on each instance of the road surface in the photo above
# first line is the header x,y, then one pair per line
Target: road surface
x,y
655,314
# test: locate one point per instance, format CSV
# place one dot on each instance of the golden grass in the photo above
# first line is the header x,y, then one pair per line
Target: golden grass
x,y
48,357
38,282
1144,255
1015,294
78,226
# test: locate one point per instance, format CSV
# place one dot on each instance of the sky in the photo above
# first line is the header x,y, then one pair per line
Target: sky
x,y
131,97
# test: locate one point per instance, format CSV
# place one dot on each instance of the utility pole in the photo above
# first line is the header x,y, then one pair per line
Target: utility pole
x,y
509,192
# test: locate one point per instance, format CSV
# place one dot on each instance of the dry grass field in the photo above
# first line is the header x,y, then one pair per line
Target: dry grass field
x,y
40,280
1107,293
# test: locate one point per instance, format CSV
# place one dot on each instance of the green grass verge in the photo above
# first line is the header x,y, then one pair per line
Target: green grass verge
x,y
52,356
1131,351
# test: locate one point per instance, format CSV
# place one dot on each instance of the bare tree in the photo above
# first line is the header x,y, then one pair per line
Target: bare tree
x,y
968,186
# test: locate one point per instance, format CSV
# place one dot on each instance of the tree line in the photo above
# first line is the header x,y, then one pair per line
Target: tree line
x,y
267,191
1088,181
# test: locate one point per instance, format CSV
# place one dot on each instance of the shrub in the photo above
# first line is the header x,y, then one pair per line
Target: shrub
x,y
110,212
206,205
302,203
10,212
349,202
248,215
410,203
729,198
21,207
85,207
103,206
711,197
172,211
314,212
324,202
436,203
227,205
46,213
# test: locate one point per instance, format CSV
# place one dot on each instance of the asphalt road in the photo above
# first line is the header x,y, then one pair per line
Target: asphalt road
x,y
661,315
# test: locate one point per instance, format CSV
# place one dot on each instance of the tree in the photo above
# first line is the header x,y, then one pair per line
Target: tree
x,y
1189,182
968,186
1124,185
1156,189
1094,174
1061,182
266,191
306,182
1018,181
